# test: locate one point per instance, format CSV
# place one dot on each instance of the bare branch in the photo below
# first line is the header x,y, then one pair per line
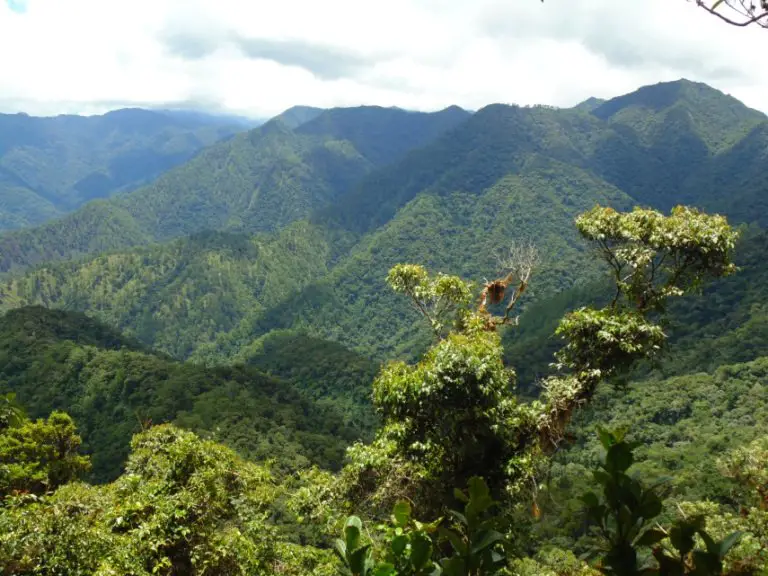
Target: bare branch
x,y
744,12
520,260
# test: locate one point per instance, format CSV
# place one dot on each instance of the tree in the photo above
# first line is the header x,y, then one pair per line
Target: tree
x,y
652,258
184,506
749,466
39,456
11,413
455,413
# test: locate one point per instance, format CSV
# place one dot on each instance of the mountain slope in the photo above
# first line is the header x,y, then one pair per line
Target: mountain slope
x,y
383,135
295,116
177,296
455,233
50,166
663,135
64,361
718,119
494,142
507,173
735,182
683,425
256,181
208,297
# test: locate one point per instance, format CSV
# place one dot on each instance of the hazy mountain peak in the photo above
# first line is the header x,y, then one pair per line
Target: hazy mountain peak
x,y
590,104
295,116
664,95
715,119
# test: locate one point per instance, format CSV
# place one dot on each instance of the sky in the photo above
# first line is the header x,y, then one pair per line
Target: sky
x,y
257,58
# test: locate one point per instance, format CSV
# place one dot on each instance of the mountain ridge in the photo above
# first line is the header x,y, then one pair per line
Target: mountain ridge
x,y
257,181
504,173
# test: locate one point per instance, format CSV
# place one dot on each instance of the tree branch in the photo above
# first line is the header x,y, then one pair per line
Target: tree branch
x,y
751,17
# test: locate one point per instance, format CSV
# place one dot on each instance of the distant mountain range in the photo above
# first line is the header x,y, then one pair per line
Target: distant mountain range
x,y
292,226
51,166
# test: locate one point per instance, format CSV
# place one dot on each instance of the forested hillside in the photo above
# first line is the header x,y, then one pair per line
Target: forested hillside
x,y
256,181
508,325
51,166
454,202
114,387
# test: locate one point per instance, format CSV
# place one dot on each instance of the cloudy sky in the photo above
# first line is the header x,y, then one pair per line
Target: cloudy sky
x,y
258,57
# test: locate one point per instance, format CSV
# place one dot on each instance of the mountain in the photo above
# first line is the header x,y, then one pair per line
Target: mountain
x,y
298,115
664,136
113,386
208,300
256,181
718,120
504,174
259,319
589,104
51,166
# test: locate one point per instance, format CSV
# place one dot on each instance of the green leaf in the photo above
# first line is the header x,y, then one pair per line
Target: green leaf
x,y
706,564
605,436
488,539
385,569
341,549
421,550
460,496
651,507
398,544
454,567
591,500
352,530
358,559
402,513
712,547
682,537
478,489
601,477
456,541
650,537
619,458
729,542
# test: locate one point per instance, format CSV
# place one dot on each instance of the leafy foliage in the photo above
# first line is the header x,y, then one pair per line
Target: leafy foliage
x,y
39,456
477,537
11,413
183,506
180,297
653,257
272,300
65,361
477,547
623,520
455,415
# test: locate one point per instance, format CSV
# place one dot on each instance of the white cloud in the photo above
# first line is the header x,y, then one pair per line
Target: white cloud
x,y
256,57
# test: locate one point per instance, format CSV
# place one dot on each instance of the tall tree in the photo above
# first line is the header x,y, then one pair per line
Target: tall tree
x,y
455,414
